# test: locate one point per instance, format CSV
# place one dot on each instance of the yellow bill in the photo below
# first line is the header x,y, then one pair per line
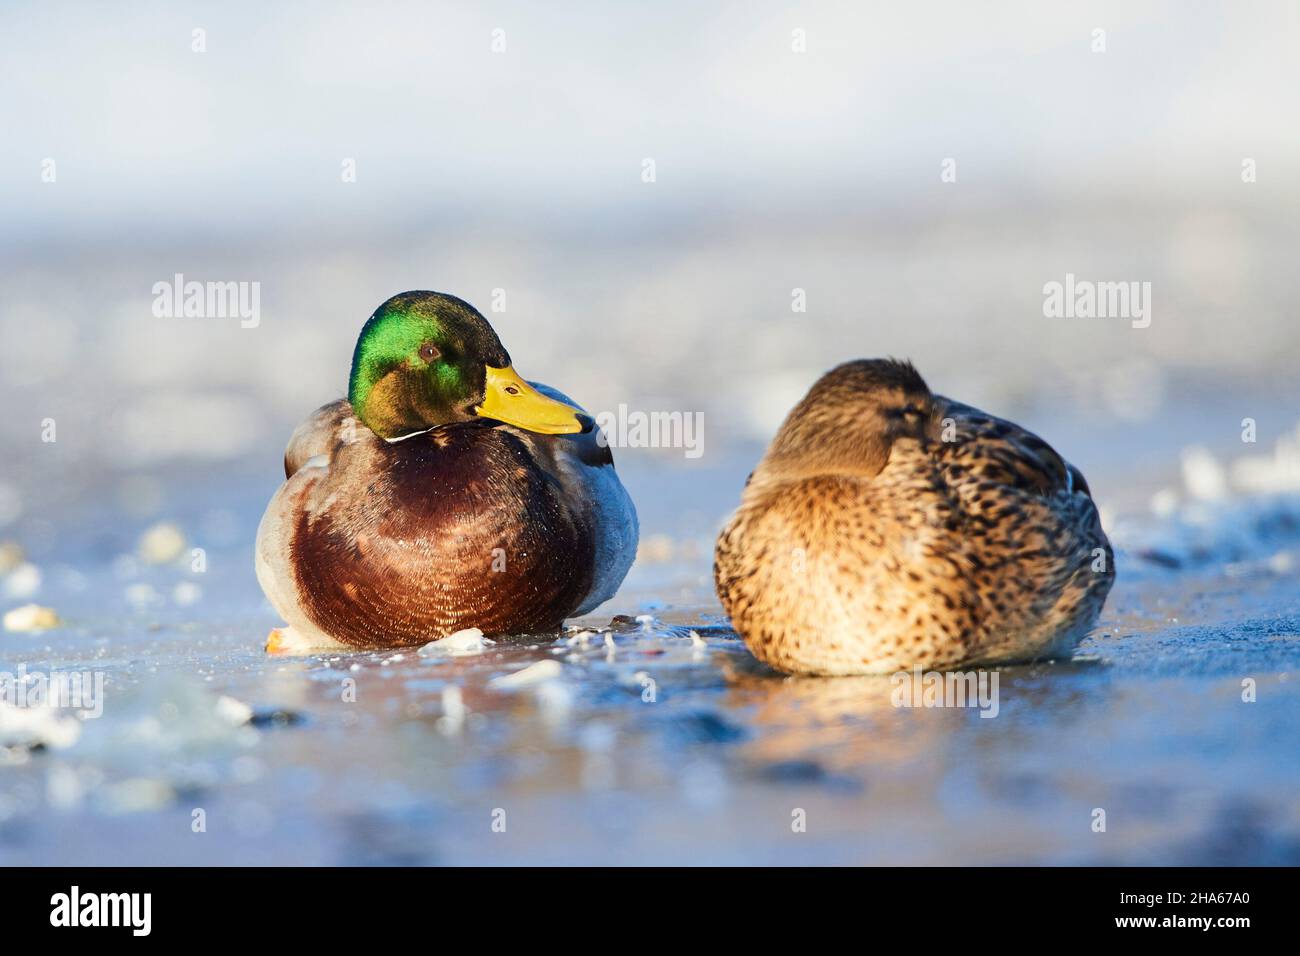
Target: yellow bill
x,y
512,400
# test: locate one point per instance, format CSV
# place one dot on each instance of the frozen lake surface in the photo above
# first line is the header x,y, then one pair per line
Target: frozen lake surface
x,y
647,744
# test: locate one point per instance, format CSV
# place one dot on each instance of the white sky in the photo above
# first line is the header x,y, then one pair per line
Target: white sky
x,y
146,132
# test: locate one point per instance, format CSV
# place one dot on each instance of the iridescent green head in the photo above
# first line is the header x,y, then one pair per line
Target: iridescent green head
x,y
426,359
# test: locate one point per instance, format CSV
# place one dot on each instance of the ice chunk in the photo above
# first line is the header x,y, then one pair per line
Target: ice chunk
x,y
464,643
529,676
37,726
30,617
162,543
1203,475
234,712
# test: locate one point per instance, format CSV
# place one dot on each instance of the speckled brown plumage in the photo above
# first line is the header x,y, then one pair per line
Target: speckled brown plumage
x,y
888,528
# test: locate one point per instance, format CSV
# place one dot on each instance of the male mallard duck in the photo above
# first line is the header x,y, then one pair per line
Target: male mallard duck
x,y
444,493
889,528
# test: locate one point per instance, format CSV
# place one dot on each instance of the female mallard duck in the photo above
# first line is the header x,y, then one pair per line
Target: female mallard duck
x,y
889,528
444,493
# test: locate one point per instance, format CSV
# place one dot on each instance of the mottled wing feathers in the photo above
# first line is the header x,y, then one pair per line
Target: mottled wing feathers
x,y
1001,451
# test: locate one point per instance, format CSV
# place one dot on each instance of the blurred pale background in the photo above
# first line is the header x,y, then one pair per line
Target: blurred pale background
x,y
775,170
521,170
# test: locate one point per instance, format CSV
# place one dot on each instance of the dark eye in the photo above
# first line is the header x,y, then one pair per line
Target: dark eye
x,y
511,390
429,351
